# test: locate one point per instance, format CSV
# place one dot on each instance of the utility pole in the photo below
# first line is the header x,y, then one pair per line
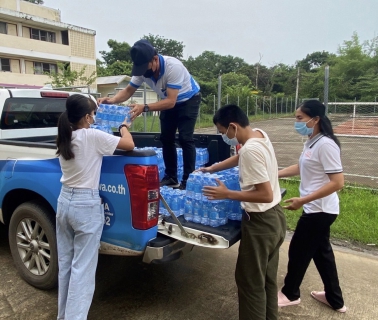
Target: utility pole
x,y
326,85
219,90
297,91
257,71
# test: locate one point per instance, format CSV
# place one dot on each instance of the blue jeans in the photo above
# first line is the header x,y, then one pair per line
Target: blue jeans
x,y
79,223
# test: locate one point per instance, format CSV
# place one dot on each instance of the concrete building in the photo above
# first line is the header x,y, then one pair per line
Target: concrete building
x,y
109,86
33,40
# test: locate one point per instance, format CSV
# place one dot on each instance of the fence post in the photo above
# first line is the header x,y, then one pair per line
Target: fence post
x,y
287,100
263,107
281,104
256,108
291,103
247,106
276,106
270,107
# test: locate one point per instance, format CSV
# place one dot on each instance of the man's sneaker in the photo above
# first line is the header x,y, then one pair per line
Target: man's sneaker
x,y
169,182
182,185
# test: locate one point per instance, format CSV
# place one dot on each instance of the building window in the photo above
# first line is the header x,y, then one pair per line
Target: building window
x,y
43,68
3,27
65,37
138,94
5,65
42,35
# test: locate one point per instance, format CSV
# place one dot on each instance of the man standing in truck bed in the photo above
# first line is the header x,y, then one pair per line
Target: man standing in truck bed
x,y
179,106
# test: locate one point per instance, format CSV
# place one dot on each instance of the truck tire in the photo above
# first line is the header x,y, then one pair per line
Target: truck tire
x,y
32,242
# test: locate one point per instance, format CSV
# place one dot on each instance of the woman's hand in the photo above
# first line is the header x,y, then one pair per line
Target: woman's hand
x,y
295,203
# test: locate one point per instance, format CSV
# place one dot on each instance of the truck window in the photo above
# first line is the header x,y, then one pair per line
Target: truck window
x,y
28,113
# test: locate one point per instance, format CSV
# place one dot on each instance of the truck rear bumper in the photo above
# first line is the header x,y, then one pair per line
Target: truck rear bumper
x,y
164,249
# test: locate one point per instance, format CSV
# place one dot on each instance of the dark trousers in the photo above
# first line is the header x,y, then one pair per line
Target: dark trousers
x,y
181,117
257,264
311,241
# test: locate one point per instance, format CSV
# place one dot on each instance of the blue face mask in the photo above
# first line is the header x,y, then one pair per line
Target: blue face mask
x,y
302,129
232,142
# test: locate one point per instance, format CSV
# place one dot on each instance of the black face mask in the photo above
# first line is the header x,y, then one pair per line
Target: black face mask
x,y
149,73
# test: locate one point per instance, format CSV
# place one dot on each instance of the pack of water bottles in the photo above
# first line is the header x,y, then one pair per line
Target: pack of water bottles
x,y
175,199
202,157
198,208
109,117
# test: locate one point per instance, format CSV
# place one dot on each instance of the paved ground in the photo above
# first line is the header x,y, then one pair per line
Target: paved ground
x,y
359,155
199,286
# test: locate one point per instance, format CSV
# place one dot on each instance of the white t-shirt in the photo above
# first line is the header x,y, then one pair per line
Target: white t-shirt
x,y
258,164
88,146
320,156
173,74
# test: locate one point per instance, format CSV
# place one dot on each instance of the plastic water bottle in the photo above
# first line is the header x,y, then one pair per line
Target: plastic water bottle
x,y
112,116
99,114
197,211
206,208
126,114
119,116
223,214
175,204
190,186
206,156
182,203
188,210
214,217
105,115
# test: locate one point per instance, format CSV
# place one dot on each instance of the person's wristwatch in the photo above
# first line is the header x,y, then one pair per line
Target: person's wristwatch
x,y
120,127
146,108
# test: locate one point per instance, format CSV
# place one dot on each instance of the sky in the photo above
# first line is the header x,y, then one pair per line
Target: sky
x,y
278,31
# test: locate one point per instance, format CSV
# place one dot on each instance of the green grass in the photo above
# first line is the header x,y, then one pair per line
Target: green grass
x,y
358,219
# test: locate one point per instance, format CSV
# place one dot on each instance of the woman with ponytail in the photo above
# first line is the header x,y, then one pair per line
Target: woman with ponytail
x,y
80,214
321,175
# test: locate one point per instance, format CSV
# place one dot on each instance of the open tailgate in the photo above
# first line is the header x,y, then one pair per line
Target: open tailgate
x,y
221,237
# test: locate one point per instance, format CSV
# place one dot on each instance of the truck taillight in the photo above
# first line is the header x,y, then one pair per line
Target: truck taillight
x,y
144,189
54,94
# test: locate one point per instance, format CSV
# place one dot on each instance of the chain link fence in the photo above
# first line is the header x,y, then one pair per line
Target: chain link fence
x,y
355,124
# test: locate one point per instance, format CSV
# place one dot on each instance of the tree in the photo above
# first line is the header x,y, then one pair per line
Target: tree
x,y
65,77
209,65
115,69
35,1
315,60
166,47
119,51
233,79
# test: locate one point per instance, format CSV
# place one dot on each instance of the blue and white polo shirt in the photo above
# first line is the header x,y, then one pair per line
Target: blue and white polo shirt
x,y
173,74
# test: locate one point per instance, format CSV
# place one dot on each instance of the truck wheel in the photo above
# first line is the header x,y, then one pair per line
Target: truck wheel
x,y
32,242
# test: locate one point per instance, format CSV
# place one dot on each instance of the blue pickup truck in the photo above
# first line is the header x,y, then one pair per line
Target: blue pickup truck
x,y
129,187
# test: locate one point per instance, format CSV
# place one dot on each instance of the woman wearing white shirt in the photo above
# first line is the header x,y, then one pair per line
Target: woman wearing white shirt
x,y
321,175
80,214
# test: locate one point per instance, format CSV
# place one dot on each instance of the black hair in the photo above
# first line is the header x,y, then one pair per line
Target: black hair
x,y
230,113
314,108
77,106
